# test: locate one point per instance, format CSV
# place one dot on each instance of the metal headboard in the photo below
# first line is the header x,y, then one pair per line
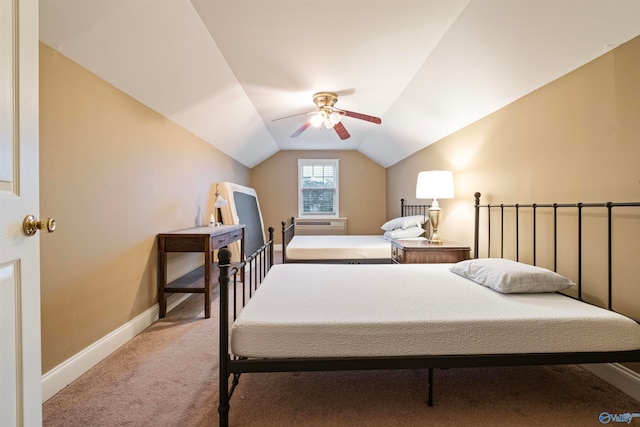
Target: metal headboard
x,y
409,210
534,209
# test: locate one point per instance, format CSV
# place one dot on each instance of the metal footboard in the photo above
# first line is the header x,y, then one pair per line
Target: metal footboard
x,y
237,285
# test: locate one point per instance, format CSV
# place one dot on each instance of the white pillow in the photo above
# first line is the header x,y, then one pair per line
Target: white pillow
x,y
400,233
404,222
507,276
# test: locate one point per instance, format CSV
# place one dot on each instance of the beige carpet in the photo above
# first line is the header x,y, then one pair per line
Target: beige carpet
x,y
167,376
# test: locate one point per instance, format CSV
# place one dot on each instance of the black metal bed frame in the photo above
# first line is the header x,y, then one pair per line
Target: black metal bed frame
x,y
534,209
288,231
231,365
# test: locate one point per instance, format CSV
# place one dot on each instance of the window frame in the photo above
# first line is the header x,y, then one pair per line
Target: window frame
x,y
335,163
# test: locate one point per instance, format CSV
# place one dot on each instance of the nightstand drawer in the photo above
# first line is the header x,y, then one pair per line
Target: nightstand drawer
x,y
396,254
423,252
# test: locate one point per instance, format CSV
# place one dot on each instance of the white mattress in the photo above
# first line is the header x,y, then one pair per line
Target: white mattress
x,y
322,310
339,247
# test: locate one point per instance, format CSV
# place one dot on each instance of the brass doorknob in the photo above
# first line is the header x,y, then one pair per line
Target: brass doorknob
x,y
31,225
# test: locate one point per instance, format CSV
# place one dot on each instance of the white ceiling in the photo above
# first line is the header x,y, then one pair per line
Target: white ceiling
x,y
224,69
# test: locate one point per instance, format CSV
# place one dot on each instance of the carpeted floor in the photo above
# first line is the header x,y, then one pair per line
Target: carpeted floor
x,y
167,376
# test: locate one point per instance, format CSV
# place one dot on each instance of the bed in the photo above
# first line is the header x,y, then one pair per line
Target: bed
x,y
359,317
354,249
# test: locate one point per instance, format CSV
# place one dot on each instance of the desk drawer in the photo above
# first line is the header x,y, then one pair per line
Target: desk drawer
x,y
235,235
220,241
184,244
223,240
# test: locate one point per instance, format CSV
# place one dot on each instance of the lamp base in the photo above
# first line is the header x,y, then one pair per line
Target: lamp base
x,y
435,214
435,239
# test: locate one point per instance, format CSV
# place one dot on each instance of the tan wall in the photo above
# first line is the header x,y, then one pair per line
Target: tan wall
x,y
362,189
576,139
113,173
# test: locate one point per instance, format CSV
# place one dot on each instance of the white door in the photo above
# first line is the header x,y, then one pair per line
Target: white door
x,y
20,369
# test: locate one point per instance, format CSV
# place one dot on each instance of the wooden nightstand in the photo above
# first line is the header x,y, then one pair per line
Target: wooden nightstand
x,y
421,251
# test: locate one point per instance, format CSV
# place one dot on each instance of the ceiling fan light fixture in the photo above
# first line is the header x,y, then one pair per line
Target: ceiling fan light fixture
x,y
317,119
330,116
328,123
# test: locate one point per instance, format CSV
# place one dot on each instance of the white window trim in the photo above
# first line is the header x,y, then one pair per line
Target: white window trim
x,y
306,162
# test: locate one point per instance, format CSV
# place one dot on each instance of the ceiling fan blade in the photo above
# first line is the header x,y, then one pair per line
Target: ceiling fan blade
x,y
361,116
301,129
345,92
293,115
341,131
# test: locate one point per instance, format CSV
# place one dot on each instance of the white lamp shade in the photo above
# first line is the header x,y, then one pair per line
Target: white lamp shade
x,y
335,117
328,123
435,185
316,120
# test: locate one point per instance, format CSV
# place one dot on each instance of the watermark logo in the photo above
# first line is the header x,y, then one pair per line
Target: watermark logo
x,y
627,417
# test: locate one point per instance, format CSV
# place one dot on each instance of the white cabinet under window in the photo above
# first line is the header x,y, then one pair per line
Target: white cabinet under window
x,y
318,188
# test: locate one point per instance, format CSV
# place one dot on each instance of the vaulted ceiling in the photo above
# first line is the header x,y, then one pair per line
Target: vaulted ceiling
x,y
225,69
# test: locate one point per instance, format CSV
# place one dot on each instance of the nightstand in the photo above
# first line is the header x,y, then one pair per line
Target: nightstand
x,y
423,252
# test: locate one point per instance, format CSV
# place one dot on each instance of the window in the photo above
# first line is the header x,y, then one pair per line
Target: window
x,y
318,187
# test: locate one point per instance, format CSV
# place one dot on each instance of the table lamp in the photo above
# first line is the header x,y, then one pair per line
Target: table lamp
x,y
220,202
435,185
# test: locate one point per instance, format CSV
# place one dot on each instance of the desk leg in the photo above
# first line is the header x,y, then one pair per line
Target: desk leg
x,y
162,278
207,279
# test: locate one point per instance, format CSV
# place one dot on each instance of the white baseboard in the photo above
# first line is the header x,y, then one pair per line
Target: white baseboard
x,y
72,368
618,376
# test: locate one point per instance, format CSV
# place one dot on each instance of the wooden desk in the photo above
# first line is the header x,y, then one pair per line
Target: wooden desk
x,y
200,239
421,251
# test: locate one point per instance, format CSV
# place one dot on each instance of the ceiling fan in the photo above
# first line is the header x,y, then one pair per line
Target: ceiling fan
x,y
329,116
